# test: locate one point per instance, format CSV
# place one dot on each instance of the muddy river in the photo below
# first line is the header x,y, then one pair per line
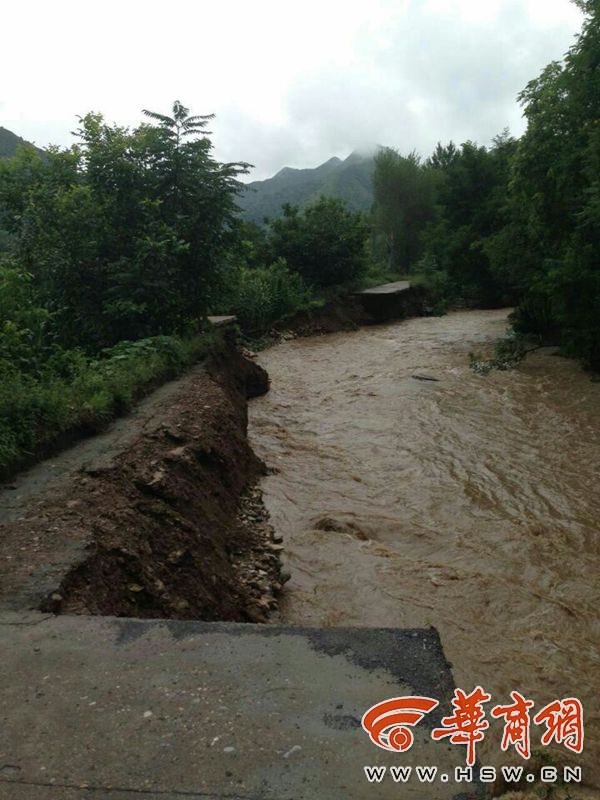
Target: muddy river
x,y
470,503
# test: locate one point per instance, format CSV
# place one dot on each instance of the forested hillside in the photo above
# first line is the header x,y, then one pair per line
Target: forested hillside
x,y
9,142
350,180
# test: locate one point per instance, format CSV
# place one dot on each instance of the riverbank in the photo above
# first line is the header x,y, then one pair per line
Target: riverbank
x,y
348,312
156,517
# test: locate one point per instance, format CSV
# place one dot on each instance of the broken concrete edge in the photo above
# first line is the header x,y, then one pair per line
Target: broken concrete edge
x,y
370,648
113,705
222,320
396,287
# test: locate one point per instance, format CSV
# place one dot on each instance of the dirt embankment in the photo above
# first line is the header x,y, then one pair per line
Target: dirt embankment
x,y
173,525
350,313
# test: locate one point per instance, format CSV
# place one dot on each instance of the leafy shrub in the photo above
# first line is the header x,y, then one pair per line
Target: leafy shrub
x,y
264,295
75,392
509,351
436,284
325,242
25,340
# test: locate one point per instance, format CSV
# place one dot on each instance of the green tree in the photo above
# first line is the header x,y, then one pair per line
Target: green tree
x,y
471,199
180,124
556,183
324,242
404,203
126,233
443,156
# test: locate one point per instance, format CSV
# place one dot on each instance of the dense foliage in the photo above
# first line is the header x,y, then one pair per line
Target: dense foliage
x,y
112,252
262,295
125,232
517,222
404,204
556,181
325,242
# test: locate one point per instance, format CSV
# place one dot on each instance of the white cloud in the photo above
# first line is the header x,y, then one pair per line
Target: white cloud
x,y
291,83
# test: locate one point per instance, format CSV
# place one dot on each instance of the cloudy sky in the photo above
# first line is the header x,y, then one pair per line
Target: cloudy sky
x,y
292,83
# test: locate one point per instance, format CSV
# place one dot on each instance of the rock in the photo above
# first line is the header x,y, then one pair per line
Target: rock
x,y
256,614
171,433
176,454
157,477
175,556
256,379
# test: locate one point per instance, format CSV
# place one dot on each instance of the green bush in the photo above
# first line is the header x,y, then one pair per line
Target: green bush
x,y
25,338
436,283
509,352
77,393
125,231
324,242
264,295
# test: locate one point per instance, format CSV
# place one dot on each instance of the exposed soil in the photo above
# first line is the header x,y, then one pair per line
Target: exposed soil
x,y
169,526
350,313
335,316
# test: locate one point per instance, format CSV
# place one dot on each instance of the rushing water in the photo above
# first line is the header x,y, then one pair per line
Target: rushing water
x,y
470,503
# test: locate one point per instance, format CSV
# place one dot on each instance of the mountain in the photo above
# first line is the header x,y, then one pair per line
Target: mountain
x,y
9,142
350,180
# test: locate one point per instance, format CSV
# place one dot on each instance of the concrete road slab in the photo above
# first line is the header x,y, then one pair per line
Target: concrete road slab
x,y
387,288
122,709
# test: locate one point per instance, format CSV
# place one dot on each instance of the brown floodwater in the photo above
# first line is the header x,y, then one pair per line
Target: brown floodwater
x,y
469,503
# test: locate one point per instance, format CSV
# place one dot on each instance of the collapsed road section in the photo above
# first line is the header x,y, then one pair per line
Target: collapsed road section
x,y
161,519
157,517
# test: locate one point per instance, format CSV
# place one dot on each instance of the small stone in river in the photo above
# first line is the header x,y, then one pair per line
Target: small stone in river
x,y
229,749
147,714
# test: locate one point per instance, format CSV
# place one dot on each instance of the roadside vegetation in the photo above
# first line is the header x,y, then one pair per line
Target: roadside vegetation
x,y
113,251
112,254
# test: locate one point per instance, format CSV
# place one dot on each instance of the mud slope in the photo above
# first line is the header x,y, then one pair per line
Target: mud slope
x,y
168,526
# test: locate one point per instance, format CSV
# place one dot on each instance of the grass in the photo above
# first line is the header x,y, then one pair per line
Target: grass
x,y
75,395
